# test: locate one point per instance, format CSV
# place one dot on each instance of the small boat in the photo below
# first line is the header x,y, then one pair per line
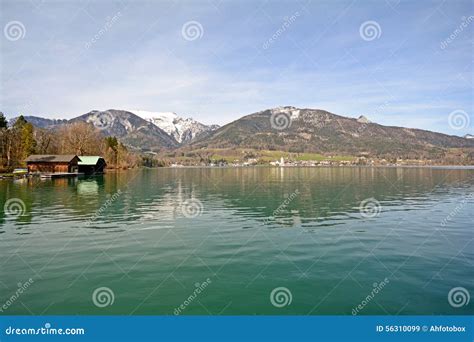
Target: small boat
x,y
20,171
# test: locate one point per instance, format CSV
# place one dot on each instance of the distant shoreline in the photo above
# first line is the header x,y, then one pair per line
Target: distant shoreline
x,y
439,167
464,167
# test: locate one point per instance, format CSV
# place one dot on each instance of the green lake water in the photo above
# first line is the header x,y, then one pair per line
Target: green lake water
x,y
238,241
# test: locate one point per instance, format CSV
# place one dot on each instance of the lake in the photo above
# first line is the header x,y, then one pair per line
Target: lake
x,y
233,241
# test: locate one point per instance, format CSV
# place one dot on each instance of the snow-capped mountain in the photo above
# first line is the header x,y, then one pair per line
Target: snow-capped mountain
x,y
130,128
181,129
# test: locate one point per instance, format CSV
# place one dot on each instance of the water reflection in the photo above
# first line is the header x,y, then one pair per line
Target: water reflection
x,y
88,187
326,196
300,227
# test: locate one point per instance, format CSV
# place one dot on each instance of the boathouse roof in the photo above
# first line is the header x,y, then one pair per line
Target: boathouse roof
x,y
90,160
51,158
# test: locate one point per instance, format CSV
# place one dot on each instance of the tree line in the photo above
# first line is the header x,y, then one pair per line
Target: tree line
x,y
21,139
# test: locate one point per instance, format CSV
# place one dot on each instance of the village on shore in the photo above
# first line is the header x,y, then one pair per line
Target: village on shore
x,y
282,162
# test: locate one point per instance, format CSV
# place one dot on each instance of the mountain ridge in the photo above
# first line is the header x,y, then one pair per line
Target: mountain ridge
x,y
314,130
181,130
129,128
285,128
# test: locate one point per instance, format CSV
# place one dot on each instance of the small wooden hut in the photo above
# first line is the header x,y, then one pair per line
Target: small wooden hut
x,y
52,163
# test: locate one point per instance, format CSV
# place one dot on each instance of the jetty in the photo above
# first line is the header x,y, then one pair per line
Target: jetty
x,y
50,175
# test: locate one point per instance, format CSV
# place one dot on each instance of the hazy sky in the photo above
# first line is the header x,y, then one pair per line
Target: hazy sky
x,y
405,63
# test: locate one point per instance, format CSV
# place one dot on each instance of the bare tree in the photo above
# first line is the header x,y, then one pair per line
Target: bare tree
x,y
82,139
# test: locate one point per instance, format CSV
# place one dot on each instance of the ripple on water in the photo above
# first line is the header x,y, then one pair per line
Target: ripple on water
x,y
244,240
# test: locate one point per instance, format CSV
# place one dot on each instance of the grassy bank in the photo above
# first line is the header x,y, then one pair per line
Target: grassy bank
x,y
241,155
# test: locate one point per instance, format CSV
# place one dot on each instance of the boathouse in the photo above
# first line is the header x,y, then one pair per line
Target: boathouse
x,y
52,163
91,164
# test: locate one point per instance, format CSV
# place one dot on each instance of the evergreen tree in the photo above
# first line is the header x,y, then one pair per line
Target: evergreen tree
x,y
20,122
27,140
111,145
23,141
3,121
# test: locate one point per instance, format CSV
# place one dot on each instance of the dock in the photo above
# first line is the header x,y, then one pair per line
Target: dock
x,y
60,174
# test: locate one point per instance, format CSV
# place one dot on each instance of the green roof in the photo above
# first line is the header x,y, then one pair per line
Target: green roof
x,y
89,160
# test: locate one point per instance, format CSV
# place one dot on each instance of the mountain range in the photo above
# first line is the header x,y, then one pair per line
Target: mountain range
x,y
284,128
313,130
141,130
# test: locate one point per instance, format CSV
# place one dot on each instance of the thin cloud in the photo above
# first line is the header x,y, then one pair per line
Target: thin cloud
x,y
319,61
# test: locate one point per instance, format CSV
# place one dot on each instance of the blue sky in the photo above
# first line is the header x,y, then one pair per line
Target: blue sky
x,y
71,57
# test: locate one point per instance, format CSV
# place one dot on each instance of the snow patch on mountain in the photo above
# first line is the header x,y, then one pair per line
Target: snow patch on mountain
x,y
181,129
363,119
289,111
